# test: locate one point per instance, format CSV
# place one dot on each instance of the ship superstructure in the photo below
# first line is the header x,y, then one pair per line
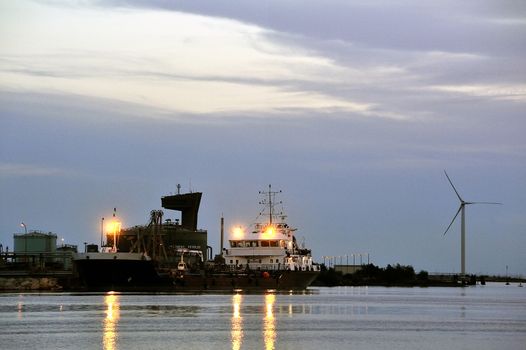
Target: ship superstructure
x,y
270,244
165,240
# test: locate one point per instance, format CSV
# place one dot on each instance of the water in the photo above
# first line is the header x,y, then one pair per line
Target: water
x,y
482,317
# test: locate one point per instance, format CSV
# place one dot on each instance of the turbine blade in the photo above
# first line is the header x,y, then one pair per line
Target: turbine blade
x,y
454,189
452,221
486,203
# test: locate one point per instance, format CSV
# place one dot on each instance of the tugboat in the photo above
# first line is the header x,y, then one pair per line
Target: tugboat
x,y
173,256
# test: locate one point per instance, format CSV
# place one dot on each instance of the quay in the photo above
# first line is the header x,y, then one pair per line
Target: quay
x,y
36,271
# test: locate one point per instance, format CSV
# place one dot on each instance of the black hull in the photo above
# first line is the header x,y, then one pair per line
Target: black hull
x,y
142,276
109,274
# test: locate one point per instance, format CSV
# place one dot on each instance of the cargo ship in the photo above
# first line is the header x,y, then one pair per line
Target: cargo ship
x,y
173,255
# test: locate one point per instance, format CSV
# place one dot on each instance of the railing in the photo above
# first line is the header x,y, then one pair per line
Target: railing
x,y
35,262
270,267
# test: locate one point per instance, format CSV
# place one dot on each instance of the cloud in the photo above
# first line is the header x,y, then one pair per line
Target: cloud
x,y
198,65
497,92
446,25
224,60
30,170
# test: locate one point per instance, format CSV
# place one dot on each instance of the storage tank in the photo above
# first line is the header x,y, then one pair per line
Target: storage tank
x,y
35,242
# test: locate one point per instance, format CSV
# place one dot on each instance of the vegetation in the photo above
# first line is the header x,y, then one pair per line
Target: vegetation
x,y
397,275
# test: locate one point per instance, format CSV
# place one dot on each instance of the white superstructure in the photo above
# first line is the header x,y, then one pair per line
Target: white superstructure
x,y
268,246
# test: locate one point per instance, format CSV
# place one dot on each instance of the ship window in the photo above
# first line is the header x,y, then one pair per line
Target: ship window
x,y
260,261
231,261
265,243
273,243
271,261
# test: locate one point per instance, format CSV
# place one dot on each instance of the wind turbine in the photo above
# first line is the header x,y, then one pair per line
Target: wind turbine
x,y
462,210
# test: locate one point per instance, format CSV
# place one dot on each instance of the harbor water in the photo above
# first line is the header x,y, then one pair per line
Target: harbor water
x,y
478,317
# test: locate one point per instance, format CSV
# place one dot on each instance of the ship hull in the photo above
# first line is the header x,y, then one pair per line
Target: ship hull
x,y
276,280
111,274
142,276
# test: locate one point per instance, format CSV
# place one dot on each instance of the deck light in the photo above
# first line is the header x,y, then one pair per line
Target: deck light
x,y
238,232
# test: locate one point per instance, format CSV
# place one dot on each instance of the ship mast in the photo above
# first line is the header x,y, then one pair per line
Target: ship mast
x,y
270,203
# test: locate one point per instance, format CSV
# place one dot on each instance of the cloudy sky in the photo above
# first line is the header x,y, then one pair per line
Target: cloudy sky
x,y
354,110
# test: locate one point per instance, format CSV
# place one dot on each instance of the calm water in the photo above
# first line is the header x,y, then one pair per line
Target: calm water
x,y
482,317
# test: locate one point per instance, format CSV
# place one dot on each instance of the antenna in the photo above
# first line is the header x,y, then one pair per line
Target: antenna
x,y
462,211
269,202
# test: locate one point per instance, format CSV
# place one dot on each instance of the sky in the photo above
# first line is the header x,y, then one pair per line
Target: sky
x,y
352,109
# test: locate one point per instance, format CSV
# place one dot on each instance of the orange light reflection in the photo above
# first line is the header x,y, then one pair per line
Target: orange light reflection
x,y
20,309
109,337
237,322
269,324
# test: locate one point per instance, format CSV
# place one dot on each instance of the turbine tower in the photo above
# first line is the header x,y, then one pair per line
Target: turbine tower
x,y
462,211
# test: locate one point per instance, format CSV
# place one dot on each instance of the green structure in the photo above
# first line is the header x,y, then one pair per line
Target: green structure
x,y
37,251
35,242
166,240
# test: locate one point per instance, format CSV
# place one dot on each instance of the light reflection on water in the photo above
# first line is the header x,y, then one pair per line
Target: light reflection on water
x,y
478,318
269,324
236,322
109,335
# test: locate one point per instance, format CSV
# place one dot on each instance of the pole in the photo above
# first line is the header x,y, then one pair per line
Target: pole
x,y
101,232
114,230
222,233
463,242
